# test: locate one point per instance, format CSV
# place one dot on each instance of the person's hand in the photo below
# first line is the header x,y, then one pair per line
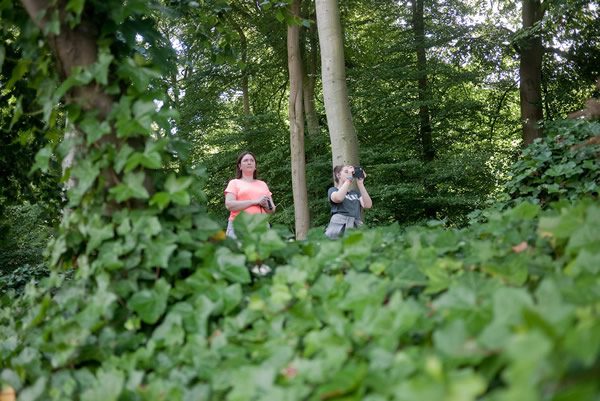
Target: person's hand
x,y
264,201
361,180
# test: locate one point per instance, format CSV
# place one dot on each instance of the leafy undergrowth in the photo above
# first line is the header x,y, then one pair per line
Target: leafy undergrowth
x,y
565,164
506,310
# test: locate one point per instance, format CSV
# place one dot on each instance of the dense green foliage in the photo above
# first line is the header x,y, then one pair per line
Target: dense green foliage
x,y
24,235
506,310
563,165
160,306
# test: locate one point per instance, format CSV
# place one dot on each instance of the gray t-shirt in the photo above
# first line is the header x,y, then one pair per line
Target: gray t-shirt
x,y
349,207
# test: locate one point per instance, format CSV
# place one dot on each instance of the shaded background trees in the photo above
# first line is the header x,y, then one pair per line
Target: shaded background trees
x,y
231,88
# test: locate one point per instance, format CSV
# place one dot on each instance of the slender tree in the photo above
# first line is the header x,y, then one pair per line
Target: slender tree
x,y
296,116
309,80
344,141
244,59
425,136
530,70
418,21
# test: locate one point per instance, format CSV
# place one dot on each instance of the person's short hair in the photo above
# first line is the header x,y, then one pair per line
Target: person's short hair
x,y
238,171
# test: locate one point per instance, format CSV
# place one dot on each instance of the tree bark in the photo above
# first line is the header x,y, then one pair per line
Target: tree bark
x,y
296,116
424,114
73,48
344,141
530,72
308,84
244,57
425,134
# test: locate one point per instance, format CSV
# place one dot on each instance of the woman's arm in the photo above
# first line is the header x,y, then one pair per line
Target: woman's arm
x,y
365,198
339,195
234,205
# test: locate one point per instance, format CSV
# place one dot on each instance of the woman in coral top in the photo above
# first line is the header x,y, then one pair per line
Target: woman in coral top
x,y
245,192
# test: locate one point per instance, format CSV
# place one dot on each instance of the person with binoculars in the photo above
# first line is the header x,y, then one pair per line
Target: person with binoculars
x,y
245,192
347,204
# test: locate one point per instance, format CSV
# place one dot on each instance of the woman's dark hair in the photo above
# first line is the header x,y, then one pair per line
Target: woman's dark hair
x,y
336,171
238,171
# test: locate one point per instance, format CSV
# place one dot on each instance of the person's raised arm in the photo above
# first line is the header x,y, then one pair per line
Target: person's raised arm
x,y
365,198
339,195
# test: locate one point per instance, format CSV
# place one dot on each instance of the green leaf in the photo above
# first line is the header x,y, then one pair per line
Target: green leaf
x,y
85,173
158,253
17,113
150,304
76,6
18,73
131,187
344,381
107,387
93,129
143,110
99,70
181,198
42,159
525,211
122,157
174,184
232,266
465,385
170,333
160,199
98,231
232,296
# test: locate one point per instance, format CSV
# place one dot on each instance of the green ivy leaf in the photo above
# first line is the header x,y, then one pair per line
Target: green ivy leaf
x,y
93,129
131,187
232,297
18,73
160,199
85,173
232,266
42,159
99,70
150,304
107,387
174,184
76,6
158,253
122,157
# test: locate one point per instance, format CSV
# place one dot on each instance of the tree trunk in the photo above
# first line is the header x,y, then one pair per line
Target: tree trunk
x,y
308,84
423,95
295,111
244,56
76,47
344,142
530,72
73,48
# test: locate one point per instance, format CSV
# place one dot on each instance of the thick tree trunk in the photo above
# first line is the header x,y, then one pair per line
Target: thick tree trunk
x,y
308,84
77,48
530,72
344,142
295,110
423,95
73,48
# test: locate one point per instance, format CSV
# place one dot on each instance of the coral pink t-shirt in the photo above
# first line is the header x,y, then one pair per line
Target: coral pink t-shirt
x,y
247,190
